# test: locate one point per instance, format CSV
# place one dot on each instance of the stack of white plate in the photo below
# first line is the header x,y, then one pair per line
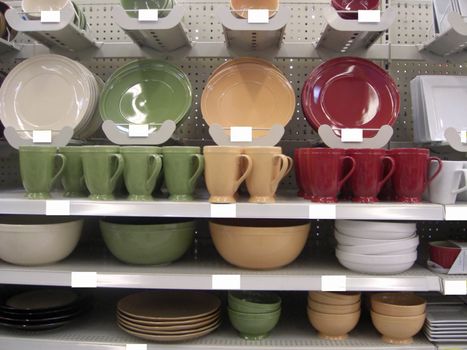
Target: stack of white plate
x,y
446,323
442,8
438,102
376,247
50,92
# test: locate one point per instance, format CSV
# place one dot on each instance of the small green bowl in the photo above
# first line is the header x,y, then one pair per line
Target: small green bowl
x,y
147,241
254,302
254,326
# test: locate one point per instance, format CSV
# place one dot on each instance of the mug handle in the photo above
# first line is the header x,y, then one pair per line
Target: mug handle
x,y
247,172
391,171
440,167
290,167
60,171
346,177
285,167
119,170
157,167
463,189
199,169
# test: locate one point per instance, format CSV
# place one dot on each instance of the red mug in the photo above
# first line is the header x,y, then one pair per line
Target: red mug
x,y
322,172
370,175
410,177
298,177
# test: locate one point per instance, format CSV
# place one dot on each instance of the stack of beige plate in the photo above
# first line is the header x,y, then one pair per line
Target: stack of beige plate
x,y
248,92
169,316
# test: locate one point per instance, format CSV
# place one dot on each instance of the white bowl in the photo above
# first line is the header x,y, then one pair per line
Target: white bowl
x,y
349,240
31,240
380,269
377,259
397,247
375,229
353,249
33,8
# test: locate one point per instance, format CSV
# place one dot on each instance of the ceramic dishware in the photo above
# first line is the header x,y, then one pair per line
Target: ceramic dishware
x,y
240,60
135,5
349,9
398,304
254,302
240,7
445,187
396,329
103,167
270,166
444,253
33,8
333,326
254,326
298,175
333,309
376,229
143,165
73,175
335,298
226,169
39,170
9,34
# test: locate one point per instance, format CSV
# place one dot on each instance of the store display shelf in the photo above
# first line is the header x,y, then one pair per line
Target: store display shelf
x,y
452,346
7,46
286,207
456,212
453,284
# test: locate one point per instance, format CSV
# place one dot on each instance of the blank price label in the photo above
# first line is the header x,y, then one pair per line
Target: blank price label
x,y
42,136
352,135
333,283
84,280
322,211
455,287
138,130
369,16
464,136
241,134
57,208
50,16
223,210
258,16
136,347
455,213
226,282
148,15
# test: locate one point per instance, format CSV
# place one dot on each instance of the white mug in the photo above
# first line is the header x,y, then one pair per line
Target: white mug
x,y
445,187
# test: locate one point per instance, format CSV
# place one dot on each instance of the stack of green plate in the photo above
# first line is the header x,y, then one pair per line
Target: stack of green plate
x,y
146,92
136,5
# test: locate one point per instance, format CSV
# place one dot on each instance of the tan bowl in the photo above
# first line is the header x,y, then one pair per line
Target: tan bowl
x,y
331,298
398,330
241,7
333,309
398,304
332,326
259,244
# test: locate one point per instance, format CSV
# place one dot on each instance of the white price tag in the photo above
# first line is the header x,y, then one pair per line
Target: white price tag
x,y
226,282
50,16
136,347
455,287
322,211
224,210
369,16
241,134
464,136
84,280
455,213
333,283
138,130
148,15
258,16
57,208
42,136
352,135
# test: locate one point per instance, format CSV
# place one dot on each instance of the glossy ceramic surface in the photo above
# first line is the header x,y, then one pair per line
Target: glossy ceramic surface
x,y
444,253
254,301
241,7
398,304
33,8
333,326
398,330
376,229
333,309
73,175
334,298
241,60
146,4
254,326
353,6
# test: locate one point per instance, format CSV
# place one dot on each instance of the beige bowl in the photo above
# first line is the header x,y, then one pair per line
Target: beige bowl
x,y
259,244
398,330
333,309
331,298
332,326
398,304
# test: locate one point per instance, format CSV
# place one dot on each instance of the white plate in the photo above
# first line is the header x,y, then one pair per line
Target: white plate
x,y
439,314
348,240
380,269
401,246
375,230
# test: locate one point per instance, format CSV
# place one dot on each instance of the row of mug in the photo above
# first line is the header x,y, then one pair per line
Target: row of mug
x,y
362,174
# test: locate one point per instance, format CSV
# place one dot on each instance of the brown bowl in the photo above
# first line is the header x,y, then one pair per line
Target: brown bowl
x,y
398,304
333,309
334,298
398,330
333,326
259,244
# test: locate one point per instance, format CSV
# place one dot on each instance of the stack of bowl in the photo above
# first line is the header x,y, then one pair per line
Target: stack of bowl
x,y
254,314
398,316
376,247
333,315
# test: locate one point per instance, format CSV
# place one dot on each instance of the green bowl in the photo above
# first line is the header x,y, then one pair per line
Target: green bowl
x,y
147,241
254,302
135,5
254,326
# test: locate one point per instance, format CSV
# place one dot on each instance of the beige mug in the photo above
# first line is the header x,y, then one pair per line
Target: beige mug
x,y
224,172
270,166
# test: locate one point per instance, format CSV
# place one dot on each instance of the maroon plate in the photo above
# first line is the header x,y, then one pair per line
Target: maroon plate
x,y
350,92
354,5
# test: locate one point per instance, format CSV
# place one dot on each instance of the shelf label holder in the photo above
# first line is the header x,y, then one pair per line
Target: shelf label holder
x,y
136,347
352,135
457,287
226,282
57,208
84,280
50,17
148,15
138,130
369,16
258,16
241,134
223,210
322,211
42,136
333,283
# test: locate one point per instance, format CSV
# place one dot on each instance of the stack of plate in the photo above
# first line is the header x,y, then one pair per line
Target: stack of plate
x,y
42,309
33,8
446,323
438,102
169,316
442,8
376,247
248,92
146,92
132,6
50,92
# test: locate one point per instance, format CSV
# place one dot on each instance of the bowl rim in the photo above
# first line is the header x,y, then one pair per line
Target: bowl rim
x,y
377,298
398,318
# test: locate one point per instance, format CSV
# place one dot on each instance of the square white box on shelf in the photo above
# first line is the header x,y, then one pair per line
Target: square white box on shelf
x,y
224,210
57,208
258,16
241,134
334,283
352,135
84,279
369,16
42,136
50,16
148,15
455,287
322,211
136,347
226,282
138,130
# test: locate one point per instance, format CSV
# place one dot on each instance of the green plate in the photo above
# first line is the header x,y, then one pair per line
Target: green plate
x,y
146,92
146,4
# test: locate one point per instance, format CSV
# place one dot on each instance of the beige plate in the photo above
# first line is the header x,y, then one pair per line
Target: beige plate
x,y
197,329
176,325
241,7
169,338
241,60
169,305
248,95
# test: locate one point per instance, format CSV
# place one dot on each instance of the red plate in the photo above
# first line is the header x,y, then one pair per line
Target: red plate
x,y
350,92
355,5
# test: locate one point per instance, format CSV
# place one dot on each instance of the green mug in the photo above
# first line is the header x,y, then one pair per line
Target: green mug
x,y
38,170
182,168
143,165
73,176
102,167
